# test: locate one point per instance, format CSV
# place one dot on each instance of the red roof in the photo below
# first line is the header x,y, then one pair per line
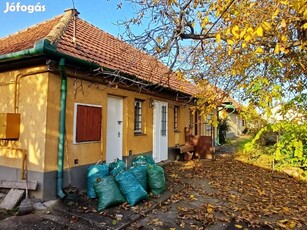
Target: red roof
x,y
27,38
94,45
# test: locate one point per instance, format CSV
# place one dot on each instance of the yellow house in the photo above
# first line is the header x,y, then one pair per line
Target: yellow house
x,y
72,94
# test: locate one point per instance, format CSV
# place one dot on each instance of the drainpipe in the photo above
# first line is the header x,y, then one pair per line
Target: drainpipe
x,y
62,130
44,48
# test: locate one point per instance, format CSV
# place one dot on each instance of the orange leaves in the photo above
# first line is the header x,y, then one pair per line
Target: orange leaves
x,y
156,222
287,224
204,21
218,37
266,26
248,194
210,208
235,31
205,214
259,31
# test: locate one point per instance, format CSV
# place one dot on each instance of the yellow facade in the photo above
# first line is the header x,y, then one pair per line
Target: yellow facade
x,y
38,101
25,92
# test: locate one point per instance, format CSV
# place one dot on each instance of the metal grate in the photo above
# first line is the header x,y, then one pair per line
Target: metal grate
x,y
164,121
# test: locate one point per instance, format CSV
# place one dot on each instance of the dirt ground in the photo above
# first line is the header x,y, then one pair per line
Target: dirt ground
x,y
201,194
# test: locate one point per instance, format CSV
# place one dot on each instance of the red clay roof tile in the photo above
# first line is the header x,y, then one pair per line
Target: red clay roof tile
x,y
94,45
26,39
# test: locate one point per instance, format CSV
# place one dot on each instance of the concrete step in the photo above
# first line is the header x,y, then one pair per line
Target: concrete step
x,y
12,199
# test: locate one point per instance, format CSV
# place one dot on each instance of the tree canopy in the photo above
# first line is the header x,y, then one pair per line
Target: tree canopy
x,y
255,50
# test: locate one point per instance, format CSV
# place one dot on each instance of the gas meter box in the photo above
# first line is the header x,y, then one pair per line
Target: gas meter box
x,y
9,126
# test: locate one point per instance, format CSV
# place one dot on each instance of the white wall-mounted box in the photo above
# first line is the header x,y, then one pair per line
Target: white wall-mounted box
x,y
9,126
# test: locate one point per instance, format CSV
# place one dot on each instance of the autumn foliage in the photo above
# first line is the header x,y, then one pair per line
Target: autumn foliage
x,y
255,50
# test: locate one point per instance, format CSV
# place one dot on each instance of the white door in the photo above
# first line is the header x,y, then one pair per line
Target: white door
x,y
114,129
160,131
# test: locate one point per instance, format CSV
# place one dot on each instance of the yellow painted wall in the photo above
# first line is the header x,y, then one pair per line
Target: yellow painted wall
x,y
39,105
31,103
82,91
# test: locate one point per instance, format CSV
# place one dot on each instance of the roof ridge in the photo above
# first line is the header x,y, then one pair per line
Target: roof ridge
x,y
58,30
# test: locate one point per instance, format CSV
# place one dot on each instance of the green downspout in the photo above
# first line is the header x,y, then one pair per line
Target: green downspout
x,y
62,130
44,47
218,130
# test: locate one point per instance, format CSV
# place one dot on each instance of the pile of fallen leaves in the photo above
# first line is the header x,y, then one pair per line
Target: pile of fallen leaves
x,y
245,193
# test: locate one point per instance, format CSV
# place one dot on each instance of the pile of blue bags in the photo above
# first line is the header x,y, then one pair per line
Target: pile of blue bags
x,y
113,184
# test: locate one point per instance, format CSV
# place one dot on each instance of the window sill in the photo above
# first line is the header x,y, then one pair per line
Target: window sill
x,y
139,134
86,142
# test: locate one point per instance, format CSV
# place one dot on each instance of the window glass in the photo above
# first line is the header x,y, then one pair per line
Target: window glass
x,y
138,116
164,121
176,110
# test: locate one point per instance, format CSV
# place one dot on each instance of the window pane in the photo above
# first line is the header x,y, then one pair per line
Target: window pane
x,y
176,117
138,116
164,121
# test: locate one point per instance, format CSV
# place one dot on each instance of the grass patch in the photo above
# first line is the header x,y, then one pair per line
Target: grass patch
x,y
263,156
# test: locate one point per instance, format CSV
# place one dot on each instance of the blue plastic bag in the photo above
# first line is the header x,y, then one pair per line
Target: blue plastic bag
x,y
131,188
94,172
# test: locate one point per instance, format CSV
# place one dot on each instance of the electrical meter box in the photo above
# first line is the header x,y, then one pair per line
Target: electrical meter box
x,y
9,126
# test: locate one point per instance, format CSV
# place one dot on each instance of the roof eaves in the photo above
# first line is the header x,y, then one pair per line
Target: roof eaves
x,y
45,44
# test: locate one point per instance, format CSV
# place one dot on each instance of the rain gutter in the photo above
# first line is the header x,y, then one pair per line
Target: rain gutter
x,y
44,48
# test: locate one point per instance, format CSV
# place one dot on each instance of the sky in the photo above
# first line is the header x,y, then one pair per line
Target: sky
x,y
21,14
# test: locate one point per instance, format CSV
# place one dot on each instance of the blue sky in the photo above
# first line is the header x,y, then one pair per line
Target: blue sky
x,y
20,14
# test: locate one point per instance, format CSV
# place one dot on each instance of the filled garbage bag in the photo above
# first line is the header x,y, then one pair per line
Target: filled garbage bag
x,y
156,179
150,160
143,160
140,173
131,188
117,167
108,193
139,160
94,172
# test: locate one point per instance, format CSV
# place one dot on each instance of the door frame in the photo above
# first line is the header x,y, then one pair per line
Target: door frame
x,y
120,117
160,143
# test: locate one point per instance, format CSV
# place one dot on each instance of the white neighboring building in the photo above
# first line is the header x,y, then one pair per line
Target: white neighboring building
x,y
235,122
236,125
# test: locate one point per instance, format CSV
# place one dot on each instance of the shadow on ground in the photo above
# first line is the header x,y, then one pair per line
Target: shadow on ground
x,y
202,194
